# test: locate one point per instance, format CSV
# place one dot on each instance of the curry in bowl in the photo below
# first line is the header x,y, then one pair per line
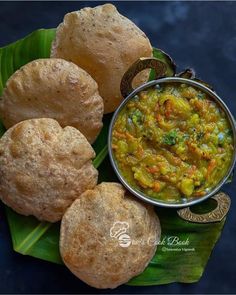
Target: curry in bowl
x,y
172,142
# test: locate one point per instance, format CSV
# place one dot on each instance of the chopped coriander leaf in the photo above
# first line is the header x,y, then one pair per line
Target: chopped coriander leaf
x,y
229,132
170,137
200,135
200,95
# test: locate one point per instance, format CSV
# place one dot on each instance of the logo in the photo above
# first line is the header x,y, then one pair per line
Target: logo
x,y
119,232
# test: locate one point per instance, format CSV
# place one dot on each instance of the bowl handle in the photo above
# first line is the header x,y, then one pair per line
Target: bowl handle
x,y
138,66
222,208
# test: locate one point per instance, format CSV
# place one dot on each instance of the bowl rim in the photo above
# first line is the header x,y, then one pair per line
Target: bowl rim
x,y
143,196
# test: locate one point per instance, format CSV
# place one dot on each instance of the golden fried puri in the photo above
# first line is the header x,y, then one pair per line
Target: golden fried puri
x,y
53,88
107,237
44,168
105,44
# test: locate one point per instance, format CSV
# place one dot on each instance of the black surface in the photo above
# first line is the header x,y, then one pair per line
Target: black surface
x,y
201,35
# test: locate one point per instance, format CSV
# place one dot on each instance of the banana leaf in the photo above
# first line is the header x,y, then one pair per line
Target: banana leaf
x,y
172,262
12,57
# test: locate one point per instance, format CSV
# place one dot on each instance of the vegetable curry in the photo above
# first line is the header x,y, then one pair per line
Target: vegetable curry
x,y
172,142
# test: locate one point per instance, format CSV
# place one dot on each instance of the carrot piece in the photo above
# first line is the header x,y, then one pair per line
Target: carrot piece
x,y
168,110
119,134
211,167
128,135
140,152
159,117
152,169
156,186
199,194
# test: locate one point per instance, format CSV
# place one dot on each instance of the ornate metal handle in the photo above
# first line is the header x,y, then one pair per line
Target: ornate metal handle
x,y
140,65
222,208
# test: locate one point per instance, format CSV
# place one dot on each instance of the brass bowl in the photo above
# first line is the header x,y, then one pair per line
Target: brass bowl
x,y
125,87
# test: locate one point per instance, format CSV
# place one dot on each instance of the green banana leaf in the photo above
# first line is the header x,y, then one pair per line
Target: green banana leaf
x,y
172,262
180,263
12,57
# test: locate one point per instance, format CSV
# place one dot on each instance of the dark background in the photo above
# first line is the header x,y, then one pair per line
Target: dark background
x,y
201,35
